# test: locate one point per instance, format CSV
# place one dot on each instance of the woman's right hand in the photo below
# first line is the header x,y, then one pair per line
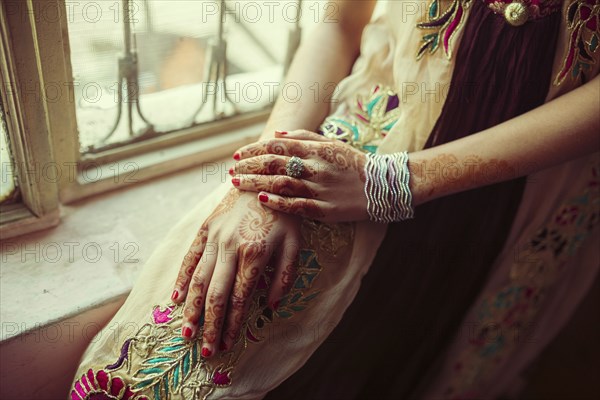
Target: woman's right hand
x,y
223,265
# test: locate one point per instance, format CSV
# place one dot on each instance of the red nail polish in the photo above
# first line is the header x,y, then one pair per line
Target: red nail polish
x,y
235,181
206,352
187,332
231,171
264,198
175,295
281,132
236,156
222,346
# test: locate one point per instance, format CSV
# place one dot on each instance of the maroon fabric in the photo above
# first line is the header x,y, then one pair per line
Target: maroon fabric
x,y
429,270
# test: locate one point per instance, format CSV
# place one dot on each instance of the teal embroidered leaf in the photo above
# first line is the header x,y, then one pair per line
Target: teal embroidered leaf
x,y
186,363
157,360
166,386
309,278
151,371
194,355
284,301
295,297
165,373
299,283
298,308
433,9
176,377
284,314
143,384
311,296
171,349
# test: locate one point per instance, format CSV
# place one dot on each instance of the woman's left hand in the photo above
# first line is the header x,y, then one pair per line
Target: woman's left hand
x,y
330,189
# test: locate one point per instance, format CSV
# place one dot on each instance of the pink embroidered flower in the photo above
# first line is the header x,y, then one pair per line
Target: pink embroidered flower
x,y
221,378
567,215
162,316
102,387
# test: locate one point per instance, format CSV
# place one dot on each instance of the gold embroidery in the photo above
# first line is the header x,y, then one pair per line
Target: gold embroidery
x,y
444,24
583,25
505,315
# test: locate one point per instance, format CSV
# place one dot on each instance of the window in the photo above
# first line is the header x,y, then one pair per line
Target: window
x,y
9,191
29,180
100,94
144,69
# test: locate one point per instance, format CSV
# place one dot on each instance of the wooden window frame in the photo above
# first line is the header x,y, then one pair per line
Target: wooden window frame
x,y
43,126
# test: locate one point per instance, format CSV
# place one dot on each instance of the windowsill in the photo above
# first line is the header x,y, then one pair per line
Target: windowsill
x,y
95,254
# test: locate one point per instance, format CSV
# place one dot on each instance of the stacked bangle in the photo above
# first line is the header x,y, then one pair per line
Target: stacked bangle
x,y
387,187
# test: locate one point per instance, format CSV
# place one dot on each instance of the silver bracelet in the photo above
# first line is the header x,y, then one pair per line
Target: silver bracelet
x,y
387,187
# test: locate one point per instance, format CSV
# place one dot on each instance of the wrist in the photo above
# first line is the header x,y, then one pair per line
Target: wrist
x,y
387,177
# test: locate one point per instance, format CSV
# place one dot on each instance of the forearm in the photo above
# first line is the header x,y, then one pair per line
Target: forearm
x,y
560,130
321,62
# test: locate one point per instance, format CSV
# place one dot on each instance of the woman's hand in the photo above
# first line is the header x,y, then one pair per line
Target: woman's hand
x,y
330,189
222,267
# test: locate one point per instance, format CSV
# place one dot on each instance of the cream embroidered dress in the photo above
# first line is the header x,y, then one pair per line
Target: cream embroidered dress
x,y
389,103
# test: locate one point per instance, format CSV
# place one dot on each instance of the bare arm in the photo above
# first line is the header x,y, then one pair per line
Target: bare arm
x,y
324,59
563,129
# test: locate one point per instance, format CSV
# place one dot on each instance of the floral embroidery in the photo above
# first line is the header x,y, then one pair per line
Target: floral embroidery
x,y
101,386
536,9
445,24
584,33
505,318
368,122
160,364
162,316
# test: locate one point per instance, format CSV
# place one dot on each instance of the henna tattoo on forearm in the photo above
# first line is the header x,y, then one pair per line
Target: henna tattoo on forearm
x,y
446,174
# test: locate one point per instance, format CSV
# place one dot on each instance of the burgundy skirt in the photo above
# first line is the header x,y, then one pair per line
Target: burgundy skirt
x,y
429,270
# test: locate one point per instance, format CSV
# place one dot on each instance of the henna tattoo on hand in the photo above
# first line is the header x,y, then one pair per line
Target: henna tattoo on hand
x,y
224,206
343,157
257,223
307,208
215,314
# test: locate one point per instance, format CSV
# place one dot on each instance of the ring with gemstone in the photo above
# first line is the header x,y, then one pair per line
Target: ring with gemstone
x,y
294,167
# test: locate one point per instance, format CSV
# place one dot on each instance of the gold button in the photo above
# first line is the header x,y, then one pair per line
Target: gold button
x,y
516,13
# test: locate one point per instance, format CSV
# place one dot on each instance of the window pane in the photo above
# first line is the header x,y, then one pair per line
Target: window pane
x,y
173,45
8,183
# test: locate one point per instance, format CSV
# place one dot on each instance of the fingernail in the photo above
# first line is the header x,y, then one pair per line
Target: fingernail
x,y
281,132
187,332
235,181
175,295
223,346
206,352
236,156
231,171
263,198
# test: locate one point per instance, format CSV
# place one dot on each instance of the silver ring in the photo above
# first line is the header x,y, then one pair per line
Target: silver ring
x,y
294,167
